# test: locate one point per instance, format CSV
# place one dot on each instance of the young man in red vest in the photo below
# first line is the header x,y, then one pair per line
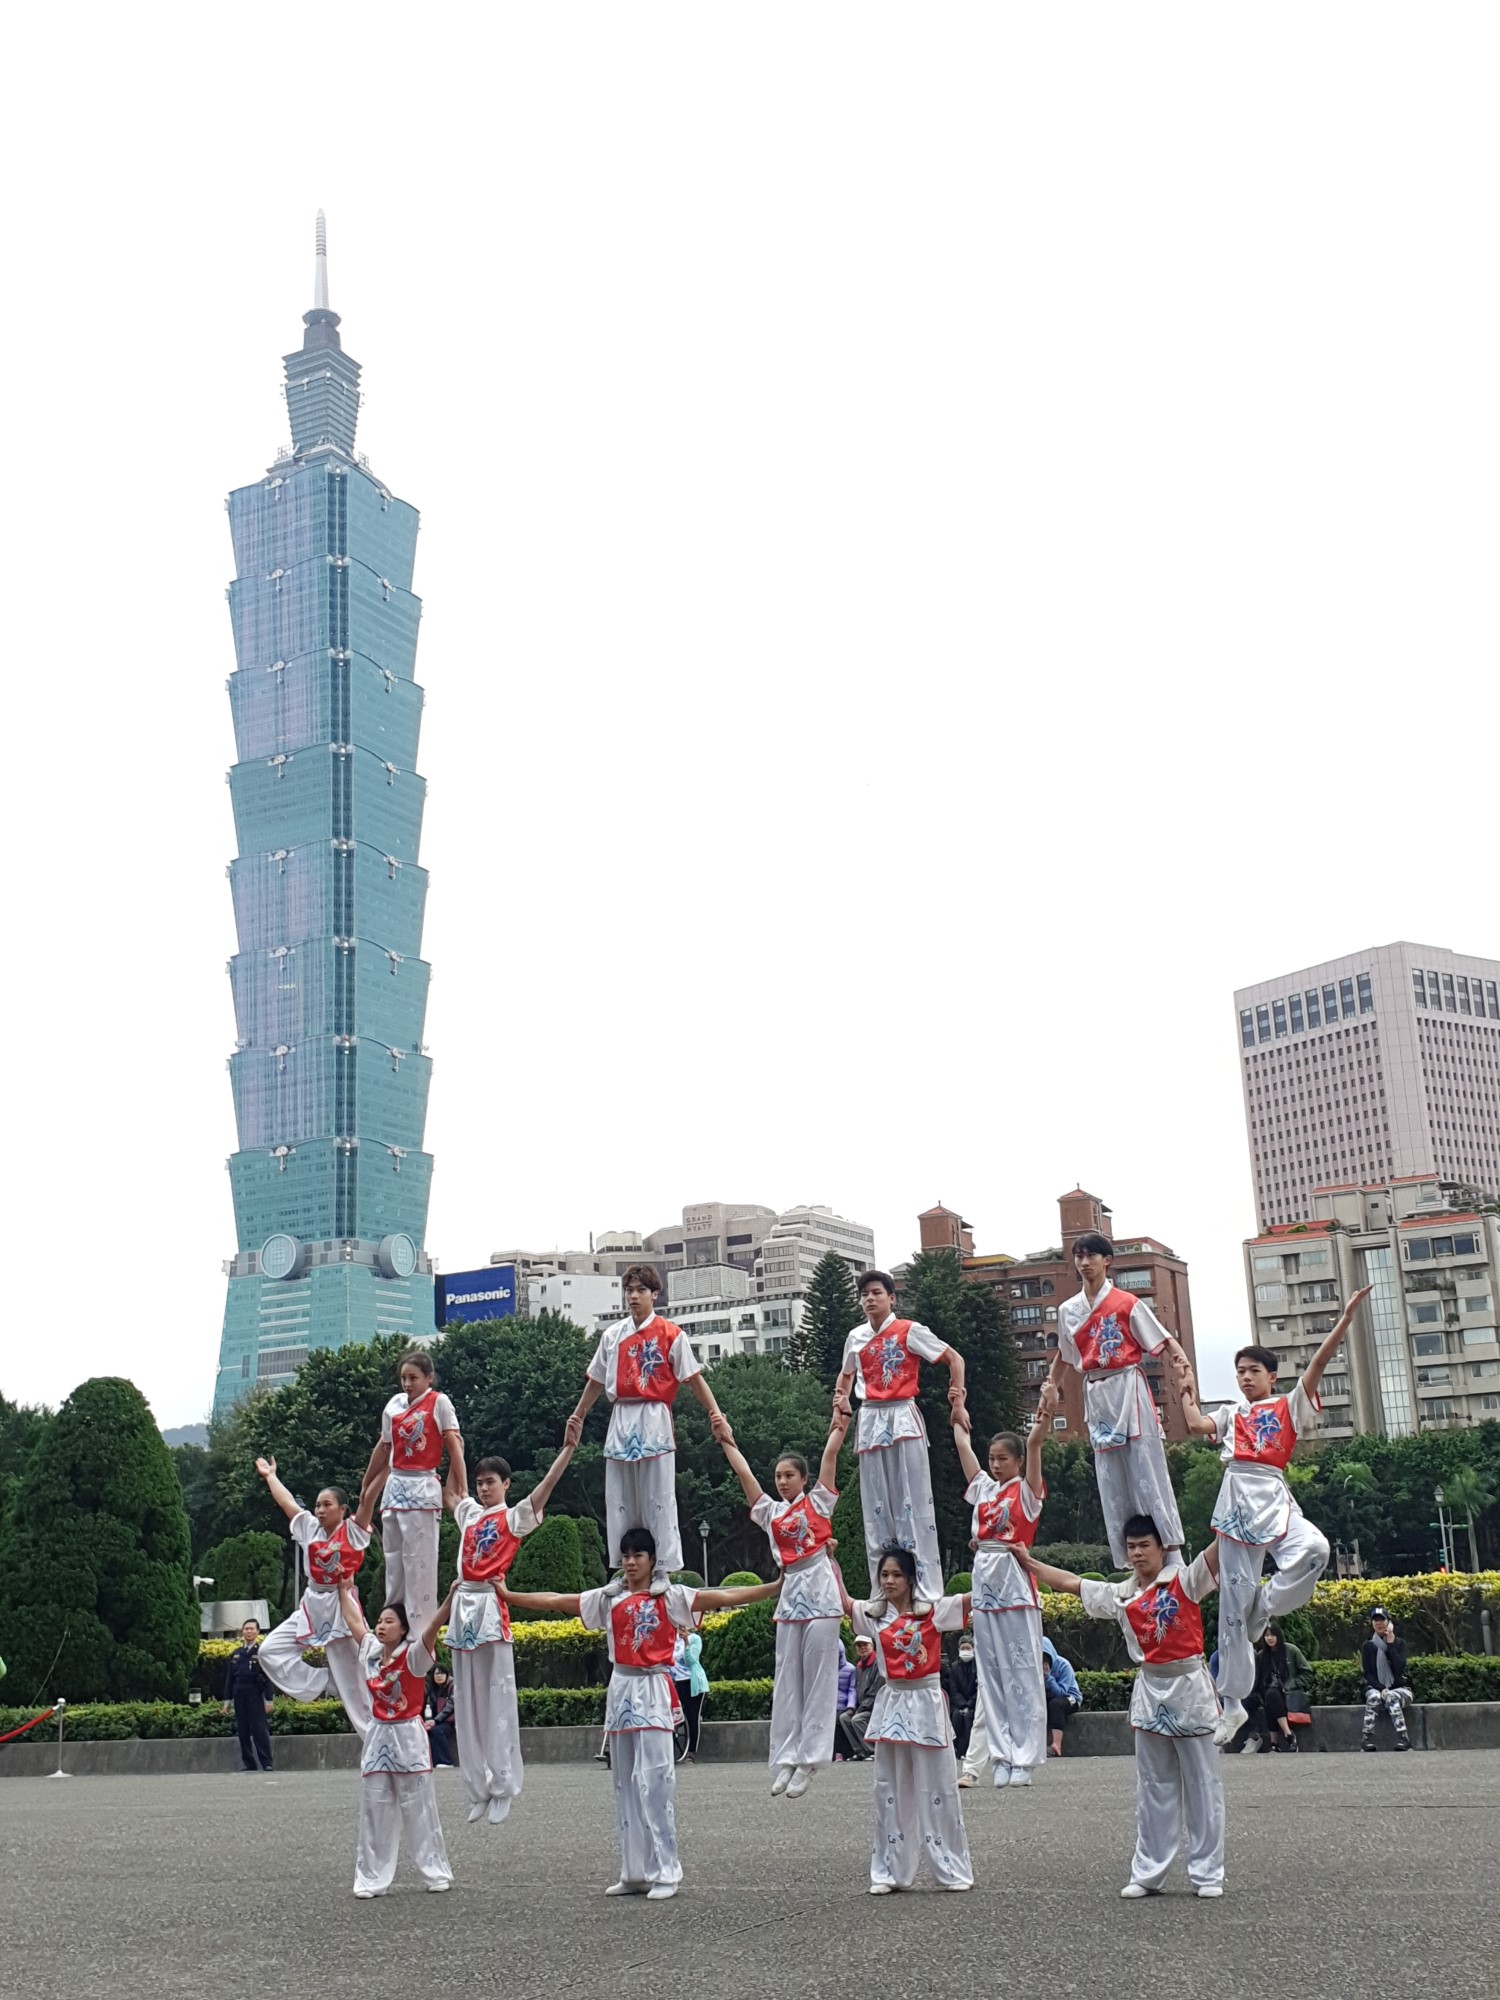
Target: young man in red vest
x,y
1105,1333
882,1359
639,1364
1173,1707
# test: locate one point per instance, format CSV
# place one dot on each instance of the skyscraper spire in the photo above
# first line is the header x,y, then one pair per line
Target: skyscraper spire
x,y
320,267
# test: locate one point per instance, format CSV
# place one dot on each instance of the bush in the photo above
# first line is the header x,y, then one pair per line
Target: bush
x,y
592,1559
744,1648
961,1580
1083,1558
691,1578
549,1559
249,1565
740,1579
1437,1613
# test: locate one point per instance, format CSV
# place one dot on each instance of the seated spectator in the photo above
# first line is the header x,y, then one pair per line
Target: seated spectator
x,y
1063,1694
854,1724
1282,1678
960,1681
844,1704
440,1716
1384,1664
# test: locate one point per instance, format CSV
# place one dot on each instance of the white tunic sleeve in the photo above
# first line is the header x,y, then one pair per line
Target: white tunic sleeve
x,y
824,1500
924,1342
392,1409
948,1613
1303,1410
865,1627
1150,1334
1223,1424
467,1510
1099,1600
445,1414
594,1609
681,1605
1031,1503
763,1513
685,1364
598,1368
418,1659
1198,1580
523,1519
304,1528
359,1538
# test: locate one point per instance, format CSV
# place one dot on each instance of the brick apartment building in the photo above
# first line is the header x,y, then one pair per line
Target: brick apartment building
x,y
1033,1287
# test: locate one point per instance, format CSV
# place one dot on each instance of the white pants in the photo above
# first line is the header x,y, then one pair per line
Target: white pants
x,y
916,1816
642,1493
1301,1558
389,1800
409,1537
1133,1479
805,1694
895,1493
641,1765
1012,1686
281,1656
978,1753
489,1739
1177,1777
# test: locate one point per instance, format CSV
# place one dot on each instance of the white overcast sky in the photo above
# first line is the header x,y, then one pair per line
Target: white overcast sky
x,y
951,538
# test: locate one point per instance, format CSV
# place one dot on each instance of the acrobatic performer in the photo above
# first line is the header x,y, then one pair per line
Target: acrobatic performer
x,y
484,1666
882,1363
1172,1706
804,1697
639,1364
396,1763
415,1426
334,1542
1255,1510
1007,1503
1106,1334
640,1625
917,1815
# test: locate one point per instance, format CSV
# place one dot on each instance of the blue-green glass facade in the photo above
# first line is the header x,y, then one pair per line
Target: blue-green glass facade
x,y
329,1072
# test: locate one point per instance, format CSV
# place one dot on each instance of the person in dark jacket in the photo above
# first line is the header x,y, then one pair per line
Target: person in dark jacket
x,y
248,1693
440,1716
1384,1664
855,1722
960,1680
1282,1678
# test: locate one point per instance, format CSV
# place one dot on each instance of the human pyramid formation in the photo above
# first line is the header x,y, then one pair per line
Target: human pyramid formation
x,y
1177,1715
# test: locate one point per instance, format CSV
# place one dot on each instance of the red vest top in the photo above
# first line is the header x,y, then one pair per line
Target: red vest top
x,y
910,1648
395,1694
1265,1435
1003,1519
890,1370
1166,1621
644,1636
643,1364
331,1561
416,1441
1105,1340
489,1547
801,1531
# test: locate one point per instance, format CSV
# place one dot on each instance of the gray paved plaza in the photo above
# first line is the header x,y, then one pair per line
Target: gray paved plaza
x,y
1347,1875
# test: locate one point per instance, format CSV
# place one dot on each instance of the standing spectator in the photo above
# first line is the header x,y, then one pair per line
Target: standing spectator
x,y
248,1693
1062,1694
1282,1678
961,1686
692,1687
866,1686
844,1703
1384,1663
440,1716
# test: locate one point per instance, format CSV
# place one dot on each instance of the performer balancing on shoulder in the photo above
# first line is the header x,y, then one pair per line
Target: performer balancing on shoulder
x,y
417,1425
334,1542
639,1363
882,1363
804,1698
1007,1503
484,1668
640,1625
1255,1511
396,1762
1106,1333
1172,1706
917,1815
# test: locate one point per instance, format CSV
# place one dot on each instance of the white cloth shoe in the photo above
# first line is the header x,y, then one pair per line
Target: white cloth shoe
x,y
499,1809
1133,1891
882,1888
1210,1889
626,1889
1002,1776
1230,1723
439,1888
661,1892
477,1812
802,1777
784,1775
1019,1775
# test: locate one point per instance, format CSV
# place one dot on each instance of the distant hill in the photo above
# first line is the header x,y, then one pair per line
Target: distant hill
x,y
187,1434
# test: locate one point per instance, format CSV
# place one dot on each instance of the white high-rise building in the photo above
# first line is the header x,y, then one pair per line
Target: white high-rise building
x,y
1381,1066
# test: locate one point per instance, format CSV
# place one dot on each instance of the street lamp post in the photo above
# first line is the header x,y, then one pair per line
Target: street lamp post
x,y
1449,1561
703,1537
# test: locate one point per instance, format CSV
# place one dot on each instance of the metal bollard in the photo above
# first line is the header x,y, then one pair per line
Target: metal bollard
x,y
58,1708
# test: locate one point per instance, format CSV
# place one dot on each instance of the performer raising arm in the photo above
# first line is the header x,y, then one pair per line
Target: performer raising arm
x,y
334,1543
639,1627
804,1701
415,1427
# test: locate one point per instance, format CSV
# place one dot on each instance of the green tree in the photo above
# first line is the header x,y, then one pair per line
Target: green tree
x,y
1200,1489
1072,1512
94,1595
251,1564
550,1558
197,1475
21,1424
830,1310
1466,1493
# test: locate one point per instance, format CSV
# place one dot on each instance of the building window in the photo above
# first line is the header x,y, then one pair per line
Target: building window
x,y
1138,1282
1418,1250
1278,1014
1366,995
1463,1246
1494,993
1426,1345
1312,1008
1419,987
1061,1423
1295,1004
1247,1029
1434,1378
1263,1023
1427,1315
1477,1304
1266,1260
1026,1316
1270,1295
1330,1005
1346,996
1450,1004
1318,1293
1463,994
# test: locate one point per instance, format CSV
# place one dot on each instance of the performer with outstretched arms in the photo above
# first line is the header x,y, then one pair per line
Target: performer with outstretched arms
x,y
639,1624
882,1364
1007,1503
415,1427
638,1364
1255,1510
484,1667
1105,1334
333,1542
804,1699
396,1762
1172,1706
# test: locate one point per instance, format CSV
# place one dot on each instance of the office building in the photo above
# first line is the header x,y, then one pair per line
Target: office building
x,y
1383,1066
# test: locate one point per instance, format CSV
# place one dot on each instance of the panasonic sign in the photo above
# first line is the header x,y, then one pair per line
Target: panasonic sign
x,y
475,1295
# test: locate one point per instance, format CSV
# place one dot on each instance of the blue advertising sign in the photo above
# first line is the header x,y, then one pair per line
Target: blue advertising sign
x,y
472,1295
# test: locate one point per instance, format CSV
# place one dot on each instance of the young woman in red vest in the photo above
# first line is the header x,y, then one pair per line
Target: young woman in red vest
x,y
1173,1707
334,1543
484,1667
798,1524
639,1364
396,1763
640,1623
1007,1503
417,1425
882,1364
917,1811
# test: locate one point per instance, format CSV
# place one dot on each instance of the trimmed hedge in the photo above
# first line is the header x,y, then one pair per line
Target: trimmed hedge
x,y
1337,1683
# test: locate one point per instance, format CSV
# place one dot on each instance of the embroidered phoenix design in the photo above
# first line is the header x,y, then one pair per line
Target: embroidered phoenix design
x,y
1265,1430
648,1358
413,1434
486,1535
906,1643
1162,1608
890,1358
644,1621
797,1531
1111,1337
324,1563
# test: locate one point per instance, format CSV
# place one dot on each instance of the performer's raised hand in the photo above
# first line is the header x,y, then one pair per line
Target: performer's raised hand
x,y
719,1424
266,1467
1048,1401
573,1431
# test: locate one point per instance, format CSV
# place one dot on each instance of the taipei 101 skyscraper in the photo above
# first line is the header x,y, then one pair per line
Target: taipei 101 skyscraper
x,y
330,1076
